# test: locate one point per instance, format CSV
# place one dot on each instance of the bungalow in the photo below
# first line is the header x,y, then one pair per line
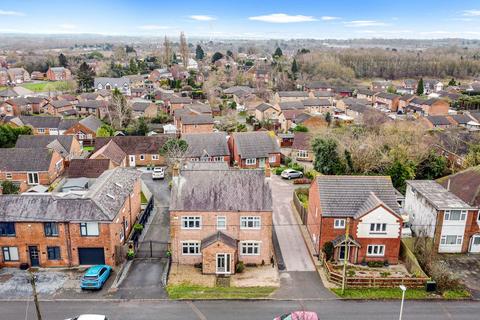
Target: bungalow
x,y
219,218
207,147
30,166
254,149
287,118
55,230
461,120
437,213
59,74
431,107
366,206
159,75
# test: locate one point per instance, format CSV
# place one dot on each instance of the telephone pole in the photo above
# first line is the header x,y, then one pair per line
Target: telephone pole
x,y
35,297
345,257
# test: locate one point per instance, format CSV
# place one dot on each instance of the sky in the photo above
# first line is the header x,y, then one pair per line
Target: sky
x,y
246,19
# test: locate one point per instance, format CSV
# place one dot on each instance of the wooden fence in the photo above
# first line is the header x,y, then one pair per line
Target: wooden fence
x,y
302,211
372,282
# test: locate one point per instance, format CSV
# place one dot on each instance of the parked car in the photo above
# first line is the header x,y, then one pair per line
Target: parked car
x,y
95,277
89,317
406,227
291,174
158,173
298,315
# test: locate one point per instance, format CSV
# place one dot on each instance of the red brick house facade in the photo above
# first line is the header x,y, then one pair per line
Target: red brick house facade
x,y
254,150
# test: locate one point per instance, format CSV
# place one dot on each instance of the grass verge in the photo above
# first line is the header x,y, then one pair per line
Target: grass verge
x,y
45,86
396,293
143,198
188,291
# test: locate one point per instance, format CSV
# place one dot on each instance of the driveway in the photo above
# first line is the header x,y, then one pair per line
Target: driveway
x,y
300,279
467,266
144,278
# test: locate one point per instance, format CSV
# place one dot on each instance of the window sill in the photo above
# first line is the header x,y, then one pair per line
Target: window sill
x,y
378,233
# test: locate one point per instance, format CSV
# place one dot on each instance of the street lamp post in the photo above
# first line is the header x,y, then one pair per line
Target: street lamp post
x,y
403,288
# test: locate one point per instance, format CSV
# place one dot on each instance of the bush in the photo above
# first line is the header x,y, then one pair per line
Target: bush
x,y
287,161
328,250
311,174
278,171
239,267
350,273
385,274
296,166
375,264
138,227
130,254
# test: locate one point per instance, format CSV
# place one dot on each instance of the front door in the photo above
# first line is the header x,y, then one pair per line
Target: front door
x,y
475,245
34,257
223,263
341,253
262,163
132,160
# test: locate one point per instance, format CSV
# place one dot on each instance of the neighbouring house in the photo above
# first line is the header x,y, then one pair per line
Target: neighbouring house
x,y
38,104
177,103
438,213
59,107
221,217
18,75
286,96
366,94
437,122
431,85
368,205
85,129
461,120
381,85
144,108
59,74
109,84
193,123
302,147
389,101
8,93
317,106
409,86
287,118
30,166
404,101
88,168
42,125
207,147
67,146
140,150
431,107
254,149
16,107
318,86
66,229
265,112
111,152
239,94
3,76
159,75
37,75
88,107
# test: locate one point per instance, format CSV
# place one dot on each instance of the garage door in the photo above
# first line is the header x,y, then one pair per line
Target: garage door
x,y
91,256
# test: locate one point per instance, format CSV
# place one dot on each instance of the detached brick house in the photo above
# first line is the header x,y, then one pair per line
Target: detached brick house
x,y
67,146
368,204
435,212
85,130
59,107
68,229
220,217
18,75
59,74
207,147
30,166
301,147
16,107
254,149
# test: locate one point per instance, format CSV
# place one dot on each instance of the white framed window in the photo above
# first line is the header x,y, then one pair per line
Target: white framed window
x,y
339,224
378,227
125,223
142,157
221,223
250,161
250,222
250,248
272,158
451,240
191,222
478,216
155,157
32,178
89,229
58,165
455,215
191,248
375,250
217,159
302,154
8,175
41,130
10,253
122,235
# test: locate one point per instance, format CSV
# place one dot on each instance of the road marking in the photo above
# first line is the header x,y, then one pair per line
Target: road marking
x,y
446,311
199,314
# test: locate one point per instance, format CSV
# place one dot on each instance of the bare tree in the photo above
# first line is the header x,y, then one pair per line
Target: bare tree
x,y
184,51
167,51
119,111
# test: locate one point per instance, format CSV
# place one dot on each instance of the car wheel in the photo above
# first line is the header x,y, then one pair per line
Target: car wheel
x,y
301,175
289,177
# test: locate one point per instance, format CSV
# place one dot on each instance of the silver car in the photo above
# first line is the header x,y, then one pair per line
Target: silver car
x,y
291,174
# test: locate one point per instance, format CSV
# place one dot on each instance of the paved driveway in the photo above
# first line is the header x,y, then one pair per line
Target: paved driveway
x,y
144,279
467,266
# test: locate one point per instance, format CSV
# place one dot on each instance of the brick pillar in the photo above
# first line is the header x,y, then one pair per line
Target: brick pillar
x,y
267,169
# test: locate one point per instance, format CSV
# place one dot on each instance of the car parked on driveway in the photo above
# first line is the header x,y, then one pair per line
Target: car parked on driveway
x,y
89,317
298,315
291,174
95,277
158,173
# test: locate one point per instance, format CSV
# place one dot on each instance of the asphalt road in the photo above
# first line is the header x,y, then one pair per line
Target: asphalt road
x,y
229,310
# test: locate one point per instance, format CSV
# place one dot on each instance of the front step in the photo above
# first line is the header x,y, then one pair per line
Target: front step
x,y
222,281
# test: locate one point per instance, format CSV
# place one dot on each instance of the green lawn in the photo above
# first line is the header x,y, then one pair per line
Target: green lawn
x,y
45,86
143,198
396,293
89,149
187,291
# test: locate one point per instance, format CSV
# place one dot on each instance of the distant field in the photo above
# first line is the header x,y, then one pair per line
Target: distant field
x,y
46,86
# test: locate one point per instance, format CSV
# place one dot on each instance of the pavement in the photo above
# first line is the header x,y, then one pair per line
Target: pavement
x,y
467,267
144,278
300,279
238,310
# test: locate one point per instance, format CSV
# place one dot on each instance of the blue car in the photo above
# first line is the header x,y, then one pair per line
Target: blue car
x,y
95,277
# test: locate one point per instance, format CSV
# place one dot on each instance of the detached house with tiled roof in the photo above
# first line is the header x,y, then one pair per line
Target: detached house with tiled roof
x,y
207,147
368,205
254,149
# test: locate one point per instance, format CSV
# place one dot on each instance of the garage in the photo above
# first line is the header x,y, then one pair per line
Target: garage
x,y
90,256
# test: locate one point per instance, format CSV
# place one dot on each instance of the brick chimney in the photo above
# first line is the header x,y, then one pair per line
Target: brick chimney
x,y
267,170
176,170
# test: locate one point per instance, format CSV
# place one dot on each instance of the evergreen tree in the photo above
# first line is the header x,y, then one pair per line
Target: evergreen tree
x,y
452,82
216,56
199,53
420,87
294,68
229,53
328,118
133,67
85,77
142,127
278,53
327,159
62,60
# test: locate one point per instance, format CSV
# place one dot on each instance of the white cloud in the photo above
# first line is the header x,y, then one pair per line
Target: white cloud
x,y
11,13
283,18
329,18
471,13
364,23
67,26
202,18
153,27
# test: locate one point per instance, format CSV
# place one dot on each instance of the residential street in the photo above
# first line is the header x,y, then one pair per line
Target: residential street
x,y
229,310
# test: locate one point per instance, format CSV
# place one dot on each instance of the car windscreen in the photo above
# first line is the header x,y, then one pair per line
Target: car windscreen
x,y
90,278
